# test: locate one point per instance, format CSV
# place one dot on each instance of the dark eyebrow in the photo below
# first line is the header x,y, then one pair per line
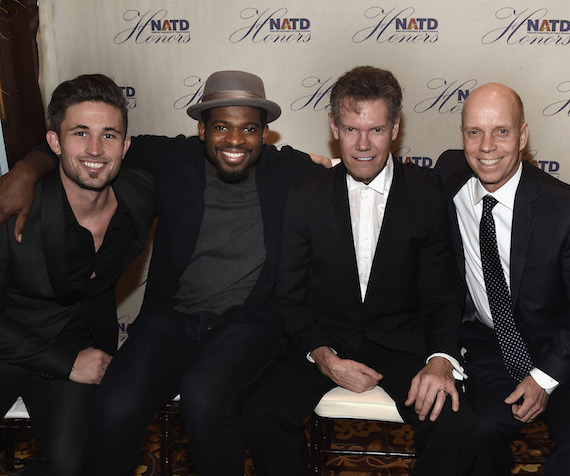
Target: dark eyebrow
x,y
105,129
225,123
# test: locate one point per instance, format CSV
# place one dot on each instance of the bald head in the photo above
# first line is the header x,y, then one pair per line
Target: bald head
x,y
494,133
493,92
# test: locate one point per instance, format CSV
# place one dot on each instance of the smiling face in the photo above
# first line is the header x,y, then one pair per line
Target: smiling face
x,y
365,134
233,137
91,144
494,134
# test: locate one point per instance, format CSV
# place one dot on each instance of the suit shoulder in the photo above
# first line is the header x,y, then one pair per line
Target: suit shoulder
x,y
419,177
137,185
285,165
287,157
549,188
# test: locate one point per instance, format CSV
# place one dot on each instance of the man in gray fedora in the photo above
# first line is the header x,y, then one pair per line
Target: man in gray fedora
x,y
209,324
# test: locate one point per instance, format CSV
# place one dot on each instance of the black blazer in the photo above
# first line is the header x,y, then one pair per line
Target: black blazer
x,y
35,301
178,166
411,302
540,259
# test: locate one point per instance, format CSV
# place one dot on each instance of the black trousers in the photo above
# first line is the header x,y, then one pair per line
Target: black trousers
x,y
61,411
488,385
213,367
273,416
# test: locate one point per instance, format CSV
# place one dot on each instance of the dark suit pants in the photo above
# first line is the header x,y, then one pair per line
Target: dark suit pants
x,y
212,366
273,416
488,385
61,413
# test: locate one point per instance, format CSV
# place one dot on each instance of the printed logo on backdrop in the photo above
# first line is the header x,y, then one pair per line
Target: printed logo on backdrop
x,y
404,154
273,25
315,94
549,166
445,96
130,95
397,26
195,87
562,106
153,27
528,27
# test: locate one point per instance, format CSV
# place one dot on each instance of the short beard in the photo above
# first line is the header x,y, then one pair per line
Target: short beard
x,y
86,185
233,175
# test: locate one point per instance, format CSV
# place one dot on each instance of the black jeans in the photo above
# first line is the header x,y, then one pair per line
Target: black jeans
x,y
212,366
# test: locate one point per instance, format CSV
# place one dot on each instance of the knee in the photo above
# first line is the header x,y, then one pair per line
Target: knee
x,y
492,431
119,410
201,408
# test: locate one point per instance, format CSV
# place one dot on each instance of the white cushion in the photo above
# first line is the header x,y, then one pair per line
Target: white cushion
x,y
18,410
373,404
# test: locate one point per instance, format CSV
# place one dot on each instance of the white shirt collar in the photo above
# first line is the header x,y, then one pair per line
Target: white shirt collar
x,y
504,195
379,184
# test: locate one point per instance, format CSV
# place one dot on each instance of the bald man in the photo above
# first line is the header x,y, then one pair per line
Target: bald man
x,y
511,232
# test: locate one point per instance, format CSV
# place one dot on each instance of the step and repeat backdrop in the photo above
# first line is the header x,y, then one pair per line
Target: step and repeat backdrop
x,y
161,53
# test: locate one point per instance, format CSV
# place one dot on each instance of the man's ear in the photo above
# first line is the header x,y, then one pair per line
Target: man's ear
x,y
524,136
126,145
202,130
265,133
53,141
334,127
396,128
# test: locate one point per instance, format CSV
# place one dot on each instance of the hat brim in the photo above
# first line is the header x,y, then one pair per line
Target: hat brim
x,y
273,109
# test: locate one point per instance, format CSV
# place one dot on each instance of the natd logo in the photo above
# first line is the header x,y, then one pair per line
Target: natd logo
x,y
153,28
447,96
195,87
549,166
130,95
404,155
560,107
316,94
272,26
528,27
397,26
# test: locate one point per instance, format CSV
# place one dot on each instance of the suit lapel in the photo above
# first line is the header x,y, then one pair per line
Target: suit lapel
x,y
390,231
525,214
53,234
339,211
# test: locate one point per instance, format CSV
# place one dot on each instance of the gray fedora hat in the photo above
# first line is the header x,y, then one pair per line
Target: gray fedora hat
x,y
234,88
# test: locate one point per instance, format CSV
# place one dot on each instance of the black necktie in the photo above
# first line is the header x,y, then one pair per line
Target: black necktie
x,y
515,353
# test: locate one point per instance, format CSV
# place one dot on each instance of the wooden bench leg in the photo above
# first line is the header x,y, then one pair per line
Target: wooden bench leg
x,y
321,430
166,443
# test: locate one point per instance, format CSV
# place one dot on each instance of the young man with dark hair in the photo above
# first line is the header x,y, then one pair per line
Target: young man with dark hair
x,y
58,321
209,324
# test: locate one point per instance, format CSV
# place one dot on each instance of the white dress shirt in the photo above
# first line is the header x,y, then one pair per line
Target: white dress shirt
x,y
469,206
367,204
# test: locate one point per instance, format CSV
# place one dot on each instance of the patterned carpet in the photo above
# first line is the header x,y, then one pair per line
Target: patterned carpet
x,y
354,434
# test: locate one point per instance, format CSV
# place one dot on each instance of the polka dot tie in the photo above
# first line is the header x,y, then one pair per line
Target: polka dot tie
x,y
515,353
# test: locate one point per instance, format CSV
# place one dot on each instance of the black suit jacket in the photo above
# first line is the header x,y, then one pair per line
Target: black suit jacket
x,y
35,300
411,302
178,166
540,259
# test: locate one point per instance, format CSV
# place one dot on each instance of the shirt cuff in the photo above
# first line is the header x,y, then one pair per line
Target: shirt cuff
x,y
310,359
544,380
458,370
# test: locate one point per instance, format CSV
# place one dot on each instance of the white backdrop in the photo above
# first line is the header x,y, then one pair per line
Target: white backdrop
x,y
438,49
